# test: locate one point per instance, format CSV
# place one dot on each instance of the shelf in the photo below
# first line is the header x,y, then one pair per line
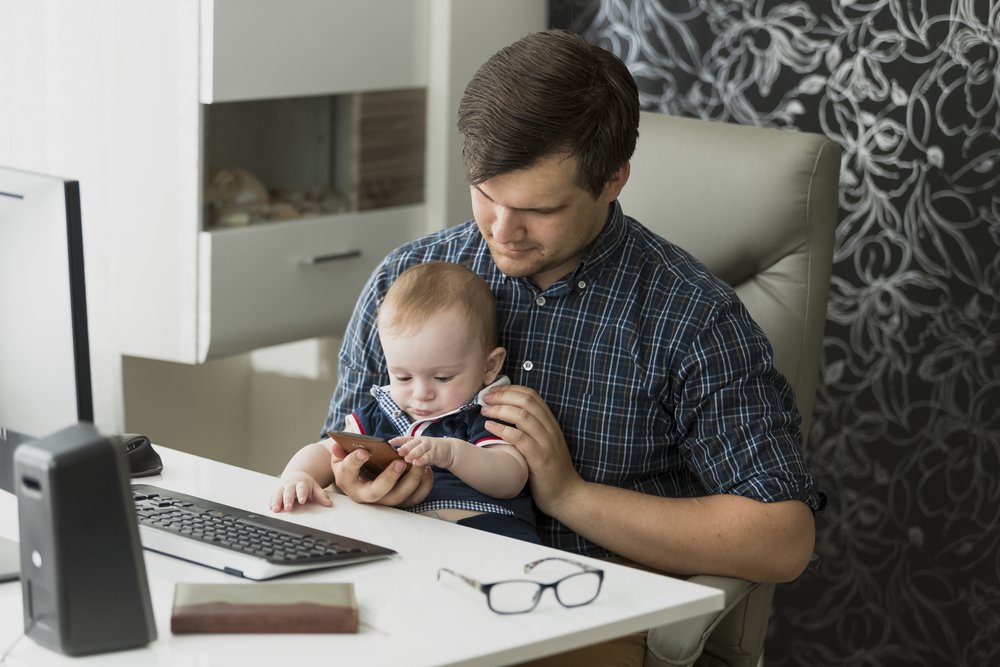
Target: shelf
x,y
284,159
260,49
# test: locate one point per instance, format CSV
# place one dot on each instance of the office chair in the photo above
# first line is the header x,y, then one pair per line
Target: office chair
x,y
759,208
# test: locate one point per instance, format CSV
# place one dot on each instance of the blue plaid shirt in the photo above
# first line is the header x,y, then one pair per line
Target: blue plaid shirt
x,y
659,378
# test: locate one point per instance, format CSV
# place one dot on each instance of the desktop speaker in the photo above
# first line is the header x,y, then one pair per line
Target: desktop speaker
x,y
83,577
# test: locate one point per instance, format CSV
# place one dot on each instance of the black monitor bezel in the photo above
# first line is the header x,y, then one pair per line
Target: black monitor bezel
x,y
78,302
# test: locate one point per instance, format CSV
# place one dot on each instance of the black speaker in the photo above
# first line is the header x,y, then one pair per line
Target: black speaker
x,y
83,577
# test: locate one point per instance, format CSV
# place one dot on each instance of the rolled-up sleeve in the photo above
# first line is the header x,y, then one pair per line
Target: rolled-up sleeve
x,y
738,416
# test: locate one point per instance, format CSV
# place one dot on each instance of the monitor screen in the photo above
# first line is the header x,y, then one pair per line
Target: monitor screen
x,y
44,348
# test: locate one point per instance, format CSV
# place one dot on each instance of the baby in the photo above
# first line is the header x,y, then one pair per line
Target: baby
x,y
437,327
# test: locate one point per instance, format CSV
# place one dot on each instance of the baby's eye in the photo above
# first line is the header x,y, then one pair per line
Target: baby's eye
x,y
445,378
403,378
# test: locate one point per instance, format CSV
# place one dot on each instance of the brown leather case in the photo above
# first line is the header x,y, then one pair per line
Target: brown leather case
x,y
264,607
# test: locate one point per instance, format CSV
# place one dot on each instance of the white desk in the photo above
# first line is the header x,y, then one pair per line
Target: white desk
x,y
407,616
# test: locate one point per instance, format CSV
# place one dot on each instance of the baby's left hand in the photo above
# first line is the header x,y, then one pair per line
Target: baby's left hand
x,y
424,451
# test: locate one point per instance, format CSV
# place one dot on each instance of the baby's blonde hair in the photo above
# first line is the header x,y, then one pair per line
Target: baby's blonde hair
x,y
424,290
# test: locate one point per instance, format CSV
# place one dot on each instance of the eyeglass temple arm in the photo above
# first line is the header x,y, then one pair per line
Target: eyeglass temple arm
x,y
532,565
472,582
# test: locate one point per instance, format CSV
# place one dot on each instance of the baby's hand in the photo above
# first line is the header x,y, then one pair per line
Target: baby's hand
x,y
297,486
423,451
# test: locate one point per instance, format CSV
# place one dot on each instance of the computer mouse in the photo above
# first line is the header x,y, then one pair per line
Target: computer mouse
x,y
143,460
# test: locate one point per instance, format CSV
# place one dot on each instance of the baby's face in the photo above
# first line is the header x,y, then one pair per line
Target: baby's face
x,y
435,367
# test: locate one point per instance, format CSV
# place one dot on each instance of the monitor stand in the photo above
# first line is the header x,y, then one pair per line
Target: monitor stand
x,y
9,440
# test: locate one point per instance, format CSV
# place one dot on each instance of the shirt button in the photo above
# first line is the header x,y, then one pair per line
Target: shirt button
x,y
582,284
540,301
527,365
397,413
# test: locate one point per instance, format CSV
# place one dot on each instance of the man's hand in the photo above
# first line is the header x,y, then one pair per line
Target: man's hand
x,y
538,436
424,451
392,487
297,485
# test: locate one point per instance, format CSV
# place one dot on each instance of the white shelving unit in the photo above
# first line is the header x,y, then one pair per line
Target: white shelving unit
x,y
221,291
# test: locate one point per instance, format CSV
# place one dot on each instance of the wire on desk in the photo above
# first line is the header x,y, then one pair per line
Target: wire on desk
x,y
3,658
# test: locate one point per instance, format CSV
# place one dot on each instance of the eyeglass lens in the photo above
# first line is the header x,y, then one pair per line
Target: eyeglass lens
x,y
578,589
512,597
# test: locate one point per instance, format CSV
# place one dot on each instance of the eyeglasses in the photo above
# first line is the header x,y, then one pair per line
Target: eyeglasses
x,y
517,596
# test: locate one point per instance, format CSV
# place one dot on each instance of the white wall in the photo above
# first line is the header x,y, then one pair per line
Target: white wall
x,y
58,98
47,127
60,108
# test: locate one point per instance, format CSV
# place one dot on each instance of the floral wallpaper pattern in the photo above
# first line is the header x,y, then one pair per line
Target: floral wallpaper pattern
x,y
906,434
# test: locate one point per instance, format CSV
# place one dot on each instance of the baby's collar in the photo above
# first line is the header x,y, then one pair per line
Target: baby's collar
x,y
383,394
499,382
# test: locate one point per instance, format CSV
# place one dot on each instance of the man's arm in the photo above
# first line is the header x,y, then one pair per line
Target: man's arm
x,y
360,366
359,360
721,534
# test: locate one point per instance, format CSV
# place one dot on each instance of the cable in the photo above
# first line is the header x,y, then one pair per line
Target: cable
x,y
3,658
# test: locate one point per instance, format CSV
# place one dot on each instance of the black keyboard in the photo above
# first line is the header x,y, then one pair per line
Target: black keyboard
x,y
237,541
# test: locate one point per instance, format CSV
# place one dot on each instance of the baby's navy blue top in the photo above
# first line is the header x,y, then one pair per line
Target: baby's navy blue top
x,y
382,418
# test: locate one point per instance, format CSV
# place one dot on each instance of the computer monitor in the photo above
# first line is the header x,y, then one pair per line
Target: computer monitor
x,y
44,347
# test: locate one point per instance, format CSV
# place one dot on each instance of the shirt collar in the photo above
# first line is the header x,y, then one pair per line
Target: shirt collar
x,y
606,246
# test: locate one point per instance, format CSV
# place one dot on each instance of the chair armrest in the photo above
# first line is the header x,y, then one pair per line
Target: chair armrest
x,y
733,636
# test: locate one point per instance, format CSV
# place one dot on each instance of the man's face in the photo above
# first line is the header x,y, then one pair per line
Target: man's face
x,y
537,222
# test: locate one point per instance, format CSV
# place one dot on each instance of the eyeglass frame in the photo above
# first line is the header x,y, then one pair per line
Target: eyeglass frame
x,y
485,587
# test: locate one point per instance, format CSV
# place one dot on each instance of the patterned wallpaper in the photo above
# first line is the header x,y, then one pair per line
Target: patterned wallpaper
x,y
906,434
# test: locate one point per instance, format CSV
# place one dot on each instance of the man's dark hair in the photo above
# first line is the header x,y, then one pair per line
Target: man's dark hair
x,y
549,92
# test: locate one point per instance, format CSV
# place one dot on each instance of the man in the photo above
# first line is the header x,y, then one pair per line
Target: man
x,y
644,397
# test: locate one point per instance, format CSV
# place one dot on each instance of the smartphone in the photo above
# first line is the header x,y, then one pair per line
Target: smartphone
x,y
382,453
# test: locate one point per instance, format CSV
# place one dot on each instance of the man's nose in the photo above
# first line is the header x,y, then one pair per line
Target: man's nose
x,y
507,227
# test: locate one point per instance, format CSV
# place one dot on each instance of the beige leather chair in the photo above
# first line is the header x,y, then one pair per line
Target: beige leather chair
x,y
759,208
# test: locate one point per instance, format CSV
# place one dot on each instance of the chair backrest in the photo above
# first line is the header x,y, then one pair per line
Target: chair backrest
x,y
759,207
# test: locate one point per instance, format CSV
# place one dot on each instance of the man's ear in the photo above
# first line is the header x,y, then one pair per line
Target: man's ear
x,y
494,362
616,183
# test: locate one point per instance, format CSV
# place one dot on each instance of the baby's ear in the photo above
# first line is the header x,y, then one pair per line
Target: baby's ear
x,y
494,362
